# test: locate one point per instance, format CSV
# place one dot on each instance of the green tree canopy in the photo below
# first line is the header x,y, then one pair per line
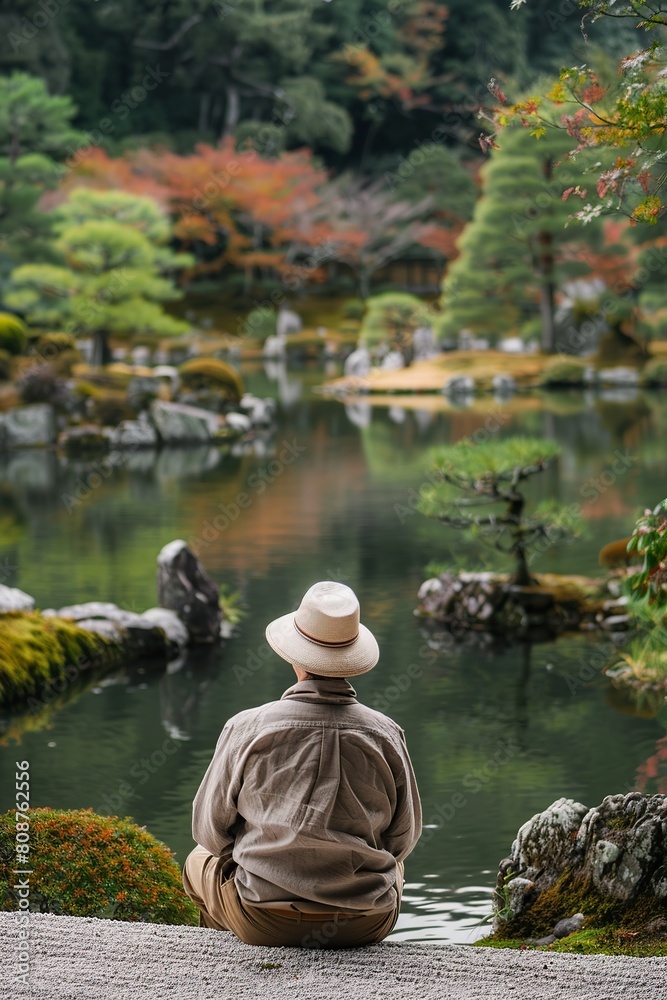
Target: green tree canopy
x,y
466,475
516,252
35,132
114,274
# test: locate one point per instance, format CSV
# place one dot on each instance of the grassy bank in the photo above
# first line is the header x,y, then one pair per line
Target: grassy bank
x,y
529,371
41,655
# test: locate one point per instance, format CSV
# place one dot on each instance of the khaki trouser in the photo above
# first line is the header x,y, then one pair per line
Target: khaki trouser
x,y
209,881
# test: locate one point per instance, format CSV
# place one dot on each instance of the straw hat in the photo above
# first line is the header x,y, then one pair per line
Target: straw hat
x,y
324,635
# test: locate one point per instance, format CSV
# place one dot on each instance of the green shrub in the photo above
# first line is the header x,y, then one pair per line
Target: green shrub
x,y
354,308
563,371
655,373
531,330
13,336
50,345
210,373
6,367
393,316
65,362
86,865
260,323
104,404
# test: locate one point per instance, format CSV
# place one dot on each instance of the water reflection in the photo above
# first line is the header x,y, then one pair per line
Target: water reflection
x,y
496,734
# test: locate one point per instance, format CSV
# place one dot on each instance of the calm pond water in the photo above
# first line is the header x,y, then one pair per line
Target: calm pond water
x,y
494,736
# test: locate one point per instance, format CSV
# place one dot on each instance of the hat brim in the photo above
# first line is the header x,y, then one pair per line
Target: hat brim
x,y
346,661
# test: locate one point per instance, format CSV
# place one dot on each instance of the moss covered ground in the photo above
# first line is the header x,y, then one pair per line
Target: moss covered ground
x,y
612,926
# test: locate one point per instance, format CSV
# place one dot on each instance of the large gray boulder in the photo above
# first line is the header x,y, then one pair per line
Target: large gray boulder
x,y
459,385
261,412
184,587
13,599
134,434
287,321
139,634
512,345
503,385
177,423
609,860
239,422
29,426
170,623
620,376
358,363
423,343
274,347
393,362
136,636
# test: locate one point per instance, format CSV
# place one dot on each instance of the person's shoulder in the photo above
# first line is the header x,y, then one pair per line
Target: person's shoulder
x,y
246,720
378,720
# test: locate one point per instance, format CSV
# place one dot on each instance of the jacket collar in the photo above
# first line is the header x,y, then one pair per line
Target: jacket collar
x,y
328,691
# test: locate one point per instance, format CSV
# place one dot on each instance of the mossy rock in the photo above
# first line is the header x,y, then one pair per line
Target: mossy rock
x,y
106,406
86,865
13,334
607,863
211,373
40,653
563,372
50,345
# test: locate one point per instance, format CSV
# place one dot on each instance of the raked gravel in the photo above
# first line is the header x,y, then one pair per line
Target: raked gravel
x,y
72,958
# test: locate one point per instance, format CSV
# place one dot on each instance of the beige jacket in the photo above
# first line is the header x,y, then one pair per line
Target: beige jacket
x,y
316,798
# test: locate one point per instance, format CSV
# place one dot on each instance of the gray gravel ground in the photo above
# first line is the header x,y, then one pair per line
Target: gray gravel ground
x,y
80,959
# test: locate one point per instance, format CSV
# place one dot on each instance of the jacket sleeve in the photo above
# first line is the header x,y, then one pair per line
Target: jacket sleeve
x,y
405,827
214,811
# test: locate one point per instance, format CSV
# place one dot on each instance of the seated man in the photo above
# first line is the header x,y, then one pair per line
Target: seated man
x,y
310,804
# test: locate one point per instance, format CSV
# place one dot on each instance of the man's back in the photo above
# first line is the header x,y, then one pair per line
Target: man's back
x,y
318,796
310,803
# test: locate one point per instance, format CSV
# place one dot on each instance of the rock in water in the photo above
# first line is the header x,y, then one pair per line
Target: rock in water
x,y
180,424
459,385
134,434
13,599
30,426
288,321
358,363
184,587
609,862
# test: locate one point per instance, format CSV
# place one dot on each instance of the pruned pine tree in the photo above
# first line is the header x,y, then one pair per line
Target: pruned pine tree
x,y
492,476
